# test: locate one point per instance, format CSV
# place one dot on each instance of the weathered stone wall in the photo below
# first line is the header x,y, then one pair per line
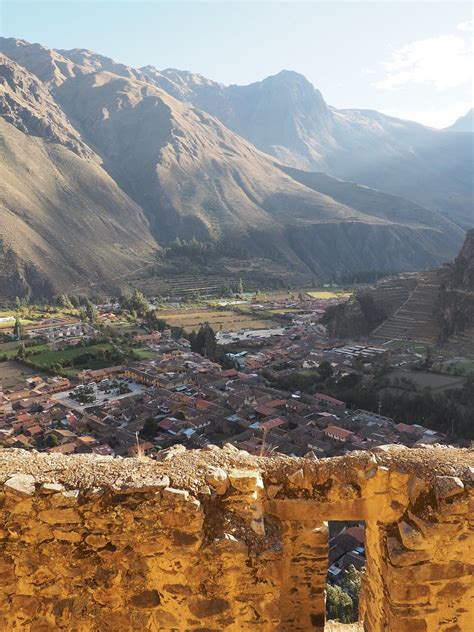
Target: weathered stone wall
x,y
219,540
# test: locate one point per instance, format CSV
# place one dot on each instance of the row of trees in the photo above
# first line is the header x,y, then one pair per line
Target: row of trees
x,y
449,411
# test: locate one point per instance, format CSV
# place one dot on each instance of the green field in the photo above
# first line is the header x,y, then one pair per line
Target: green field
x,y
48,358
464,368
10,350
11,323
144,354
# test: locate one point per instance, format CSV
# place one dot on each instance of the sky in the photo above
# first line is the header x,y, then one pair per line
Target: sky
x,y
408,59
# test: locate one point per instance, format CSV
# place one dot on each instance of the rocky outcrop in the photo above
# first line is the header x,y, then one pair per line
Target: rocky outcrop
x,y
456,303
462,277
217,539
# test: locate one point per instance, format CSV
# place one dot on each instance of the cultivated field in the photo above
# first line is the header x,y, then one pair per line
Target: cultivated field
x,y
13,373
10,349
327,294
219,320
423,379
10,324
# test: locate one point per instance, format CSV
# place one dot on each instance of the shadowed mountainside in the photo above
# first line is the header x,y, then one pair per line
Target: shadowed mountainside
x,y
101,165
285,116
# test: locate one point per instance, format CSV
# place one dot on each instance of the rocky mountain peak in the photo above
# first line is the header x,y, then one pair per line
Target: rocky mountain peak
x,y
26,103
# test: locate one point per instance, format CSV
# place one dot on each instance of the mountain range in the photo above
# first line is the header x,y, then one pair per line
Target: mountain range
x,y
103,165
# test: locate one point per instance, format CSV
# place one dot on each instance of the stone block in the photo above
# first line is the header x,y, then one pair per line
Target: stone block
x,y
60,516
20,485
400,556
245,480
218,479
411,537
178,495
447,486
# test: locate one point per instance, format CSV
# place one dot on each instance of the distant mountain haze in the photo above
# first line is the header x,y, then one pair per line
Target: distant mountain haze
x,y
287,117
103,164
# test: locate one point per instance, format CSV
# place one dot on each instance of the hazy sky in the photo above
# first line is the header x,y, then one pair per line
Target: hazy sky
x,y
410,59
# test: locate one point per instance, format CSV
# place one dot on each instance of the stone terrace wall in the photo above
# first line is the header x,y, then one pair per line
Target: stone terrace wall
x,y
219,540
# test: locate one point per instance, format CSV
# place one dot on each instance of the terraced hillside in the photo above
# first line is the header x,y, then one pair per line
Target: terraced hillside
x,y
369,307
416,318
391,293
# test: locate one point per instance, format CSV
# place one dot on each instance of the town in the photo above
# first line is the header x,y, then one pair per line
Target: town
x,y
263,395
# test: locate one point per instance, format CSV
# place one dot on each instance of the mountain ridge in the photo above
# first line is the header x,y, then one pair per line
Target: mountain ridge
x,y
165,169
397,156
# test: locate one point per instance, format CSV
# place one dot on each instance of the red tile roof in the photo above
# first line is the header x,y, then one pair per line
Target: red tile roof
x,y
329,400
356,532
339,433
401,427
272,423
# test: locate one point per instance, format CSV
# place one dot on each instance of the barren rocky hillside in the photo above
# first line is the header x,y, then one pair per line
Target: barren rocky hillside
x,y
285,116
101,166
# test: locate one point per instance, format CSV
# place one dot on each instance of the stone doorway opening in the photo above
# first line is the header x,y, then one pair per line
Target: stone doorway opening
x,y
346,568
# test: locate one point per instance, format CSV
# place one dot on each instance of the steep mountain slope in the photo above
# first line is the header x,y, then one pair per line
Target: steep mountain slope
x,y
456,306
464,123
196,178
62,216
285,116
100,164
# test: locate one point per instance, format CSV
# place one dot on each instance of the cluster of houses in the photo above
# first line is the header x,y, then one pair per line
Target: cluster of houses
x,y
186,398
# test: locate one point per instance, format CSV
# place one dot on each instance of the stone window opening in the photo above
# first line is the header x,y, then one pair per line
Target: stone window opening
x,y
346,569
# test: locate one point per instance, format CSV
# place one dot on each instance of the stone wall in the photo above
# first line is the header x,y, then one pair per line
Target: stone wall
x,y
219,540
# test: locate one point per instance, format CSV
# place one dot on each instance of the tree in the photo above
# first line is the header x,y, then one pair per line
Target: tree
x,y
351,583
52,441
325,370
339,605
65,301
90,311
150,428
134,302
153,322
240,287
204,342
17,331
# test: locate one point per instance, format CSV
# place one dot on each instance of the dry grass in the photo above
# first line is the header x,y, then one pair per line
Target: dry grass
x,y
13,373
324,294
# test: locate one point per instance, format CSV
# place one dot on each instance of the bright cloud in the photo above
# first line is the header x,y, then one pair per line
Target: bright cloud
x,y
466,26
434,117
446,61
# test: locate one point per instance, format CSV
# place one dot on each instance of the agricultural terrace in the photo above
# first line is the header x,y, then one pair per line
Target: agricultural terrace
x,y
219,320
